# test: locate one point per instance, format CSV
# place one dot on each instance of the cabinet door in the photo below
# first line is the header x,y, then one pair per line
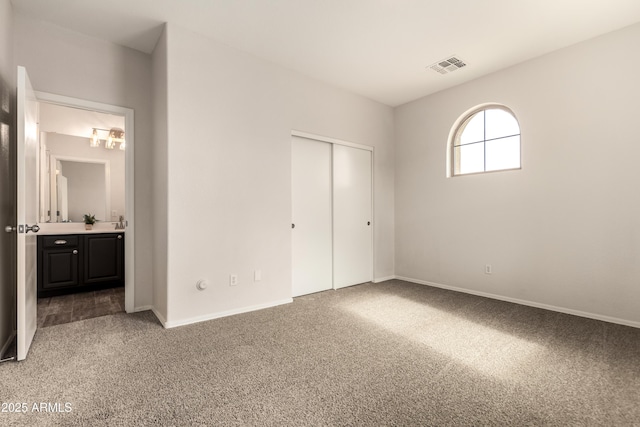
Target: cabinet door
x,y
59,268
103,258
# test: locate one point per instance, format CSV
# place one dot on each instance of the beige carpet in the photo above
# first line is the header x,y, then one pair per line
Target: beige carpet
x,y
392,353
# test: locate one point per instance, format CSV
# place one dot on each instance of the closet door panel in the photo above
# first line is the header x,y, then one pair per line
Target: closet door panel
x,y
352,216
311,216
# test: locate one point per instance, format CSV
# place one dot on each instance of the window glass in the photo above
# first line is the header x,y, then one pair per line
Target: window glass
x,y
499,124
473,129
503,153
487,140
471,157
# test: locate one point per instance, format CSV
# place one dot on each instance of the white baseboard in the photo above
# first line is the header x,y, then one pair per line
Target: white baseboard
x,y
383,279
6,345
160,317
142,308
212,316
588,315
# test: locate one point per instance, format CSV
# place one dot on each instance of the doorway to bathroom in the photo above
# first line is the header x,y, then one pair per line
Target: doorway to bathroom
x,y
85,169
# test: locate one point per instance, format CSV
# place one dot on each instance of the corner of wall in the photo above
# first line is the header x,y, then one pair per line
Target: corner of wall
x,y
160,176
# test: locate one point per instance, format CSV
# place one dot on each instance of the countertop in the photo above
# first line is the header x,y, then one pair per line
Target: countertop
x,y
47,228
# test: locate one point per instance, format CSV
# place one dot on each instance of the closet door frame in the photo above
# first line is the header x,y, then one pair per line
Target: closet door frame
x,y
361,147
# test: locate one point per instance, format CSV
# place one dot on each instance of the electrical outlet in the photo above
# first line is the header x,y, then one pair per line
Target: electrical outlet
x,y
233,279
487,269
257,275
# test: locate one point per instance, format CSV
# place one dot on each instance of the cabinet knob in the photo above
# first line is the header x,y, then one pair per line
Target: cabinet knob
x,y
120,236
75,252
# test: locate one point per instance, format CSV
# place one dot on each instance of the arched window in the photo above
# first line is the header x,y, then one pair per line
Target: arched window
x,y
484,139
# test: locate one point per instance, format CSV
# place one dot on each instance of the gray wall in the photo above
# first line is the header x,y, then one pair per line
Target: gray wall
x,y
67,63
563,231
7,177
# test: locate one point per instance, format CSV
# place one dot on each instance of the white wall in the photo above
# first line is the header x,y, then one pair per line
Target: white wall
x,y
67,63
7,178
563,231
160,177
73,146
230,117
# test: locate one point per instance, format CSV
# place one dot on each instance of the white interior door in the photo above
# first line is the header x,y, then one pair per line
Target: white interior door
x,y
27,213
311,216
352,216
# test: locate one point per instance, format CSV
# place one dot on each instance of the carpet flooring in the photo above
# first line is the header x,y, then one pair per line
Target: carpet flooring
x,y
392,353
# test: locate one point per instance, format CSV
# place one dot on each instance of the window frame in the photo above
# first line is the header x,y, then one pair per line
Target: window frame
x,y
455,134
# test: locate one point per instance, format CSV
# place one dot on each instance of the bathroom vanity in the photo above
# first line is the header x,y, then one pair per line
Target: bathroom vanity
x,y
78,262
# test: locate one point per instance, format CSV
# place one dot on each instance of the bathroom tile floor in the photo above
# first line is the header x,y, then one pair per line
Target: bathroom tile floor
x,y
74,307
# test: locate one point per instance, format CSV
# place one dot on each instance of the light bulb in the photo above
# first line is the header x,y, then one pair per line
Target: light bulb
x,y
94,141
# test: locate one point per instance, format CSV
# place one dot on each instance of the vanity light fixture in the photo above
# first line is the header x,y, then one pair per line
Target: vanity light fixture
x,y
109,144
114,135
94,141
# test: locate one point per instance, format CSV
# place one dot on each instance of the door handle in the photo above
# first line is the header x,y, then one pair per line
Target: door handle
x,y
9,229
35,228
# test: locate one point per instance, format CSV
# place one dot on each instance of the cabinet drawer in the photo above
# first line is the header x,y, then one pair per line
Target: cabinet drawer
x,y
65,241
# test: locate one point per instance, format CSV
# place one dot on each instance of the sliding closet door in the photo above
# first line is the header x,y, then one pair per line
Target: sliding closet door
x,y
311,216
352,236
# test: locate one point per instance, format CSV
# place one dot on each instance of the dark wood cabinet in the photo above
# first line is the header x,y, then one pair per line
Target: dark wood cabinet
x,y
58,261
79,262
103,260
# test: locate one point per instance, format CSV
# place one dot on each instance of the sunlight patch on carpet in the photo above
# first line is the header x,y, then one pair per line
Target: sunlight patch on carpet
x,y
484,348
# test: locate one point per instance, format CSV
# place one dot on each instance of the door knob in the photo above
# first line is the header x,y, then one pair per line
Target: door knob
x,y
9,229
35,228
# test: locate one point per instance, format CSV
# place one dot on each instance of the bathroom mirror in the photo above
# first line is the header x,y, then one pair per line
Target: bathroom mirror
x,y
79,186
75,177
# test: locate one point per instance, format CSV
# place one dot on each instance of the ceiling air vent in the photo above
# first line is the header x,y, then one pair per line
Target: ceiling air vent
x,y
448,65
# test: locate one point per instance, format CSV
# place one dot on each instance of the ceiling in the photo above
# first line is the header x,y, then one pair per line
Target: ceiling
x,y
380,49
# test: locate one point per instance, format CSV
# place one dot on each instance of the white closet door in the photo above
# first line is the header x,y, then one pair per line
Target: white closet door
x,y
352,236
311,216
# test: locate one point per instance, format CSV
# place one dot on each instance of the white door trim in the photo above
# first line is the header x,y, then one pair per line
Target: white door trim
x,y
129,262
330,140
